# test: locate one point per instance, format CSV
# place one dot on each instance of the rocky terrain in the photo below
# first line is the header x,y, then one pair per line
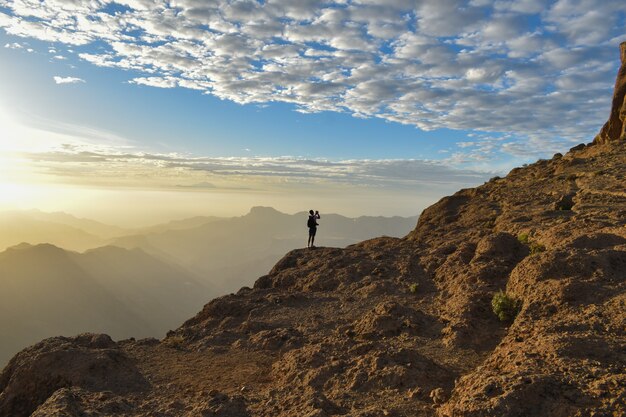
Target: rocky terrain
x,y
393,327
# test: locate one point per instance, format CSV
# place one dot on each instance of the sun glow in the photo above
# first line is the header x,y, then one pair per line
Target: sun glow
x,y
11,194
16,187
16,135
8,131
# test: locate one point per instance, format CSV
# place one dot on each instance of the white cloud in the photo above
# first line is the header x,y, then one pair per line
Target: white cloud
x,y
78,162
67,80
160,82
525,67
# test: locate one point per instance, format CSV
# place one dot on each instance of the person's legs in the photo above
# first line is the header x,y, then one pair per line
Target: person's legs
x,y
312,236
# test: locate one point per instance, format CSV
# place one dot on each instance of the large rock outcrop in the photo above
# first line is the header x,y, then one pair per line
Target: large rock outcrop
x,y
89,361
615,128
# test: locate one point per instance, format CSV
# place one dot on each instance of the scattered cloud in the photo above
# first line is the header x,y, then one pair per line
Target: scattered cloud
x,y
67,80
99,165
160,82
526,68
207,186
200,186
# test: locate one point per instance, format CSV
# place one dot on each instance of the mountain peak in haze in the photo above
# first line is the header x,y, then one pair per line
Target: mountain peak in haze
x,y
21,246
60,229
263,211
39,247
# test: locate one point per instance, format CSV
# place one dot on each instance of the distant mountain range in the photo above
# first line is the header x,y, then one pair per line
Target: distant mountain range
x,y
146,281
233,252
59,229
46,290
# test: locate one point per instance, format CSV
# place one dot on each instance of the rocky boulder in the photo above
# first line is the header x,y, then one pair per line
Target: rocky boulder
x,y
89,361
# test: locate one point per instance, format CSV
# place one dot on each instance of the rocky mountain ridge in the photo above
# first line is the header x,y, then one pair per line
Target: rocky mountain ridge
x,y
389,326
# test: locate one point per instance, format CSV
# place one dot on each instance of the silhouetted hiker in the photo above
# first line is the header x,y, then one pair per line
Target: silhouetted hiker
x,y
312,225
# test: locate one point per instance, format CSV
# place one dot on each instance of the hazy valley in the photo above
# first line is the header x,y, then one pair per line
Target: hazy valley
x,y
64,275
48,291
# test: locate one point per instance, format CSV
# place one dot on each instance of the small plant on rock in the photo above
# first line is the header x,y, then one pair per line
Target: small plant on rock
x,y
505,306
175,342
533,246
536,248
413,288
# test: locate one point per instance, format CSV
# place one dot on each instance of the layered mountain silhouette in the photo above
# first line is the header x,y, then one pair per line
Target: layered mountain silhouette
x,y
48,291
232,252
150,281
394,326
59,229
73,233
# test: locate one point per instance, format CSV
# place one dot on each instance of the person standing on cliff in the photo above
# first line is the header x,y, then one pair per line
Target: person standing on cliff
x,y
312,225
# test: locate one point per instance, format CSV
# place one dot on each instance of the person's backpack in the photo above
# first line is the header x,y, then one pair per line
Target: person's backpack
x,y
311,222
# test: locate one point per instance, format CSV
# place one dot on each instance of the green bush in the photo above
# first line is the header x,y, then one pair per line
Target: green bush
x,y
505,306
533,246
413,288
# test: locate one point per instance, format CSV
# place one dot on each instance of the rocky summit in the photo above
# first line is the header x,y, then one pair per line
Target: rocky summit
x,y
506,300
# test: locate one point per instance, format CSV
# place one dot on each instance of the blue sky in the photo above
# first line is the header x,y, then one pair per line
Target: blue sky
x,y
427,96
186,120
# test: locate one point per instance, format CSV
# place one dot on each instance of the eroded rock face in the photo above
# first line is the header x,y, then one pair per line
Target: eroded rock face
x,y
615,128
78,402
90,361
